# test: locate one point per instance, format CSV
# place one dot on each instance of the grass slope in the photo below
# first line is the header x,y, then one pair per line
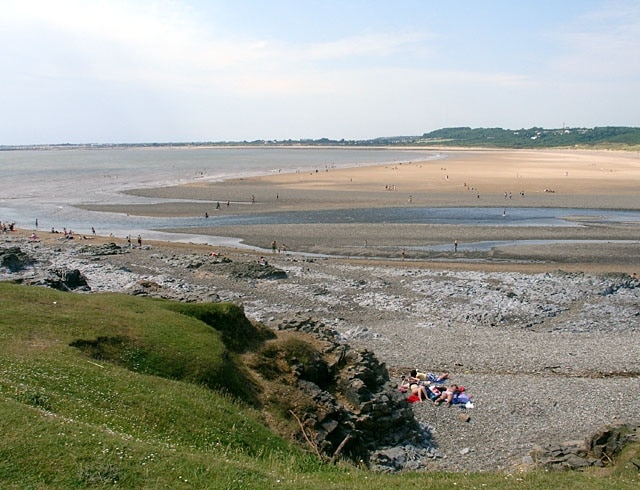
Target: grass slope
x,y
109,390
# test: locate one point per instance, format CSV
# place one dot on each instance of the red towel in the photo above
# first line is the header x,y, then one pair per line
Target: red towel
x,y
413,398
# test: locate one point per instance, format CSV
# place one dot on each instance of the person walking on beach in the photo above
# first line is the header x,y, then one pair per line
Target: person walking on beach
x,y
455,246
274,246
139,241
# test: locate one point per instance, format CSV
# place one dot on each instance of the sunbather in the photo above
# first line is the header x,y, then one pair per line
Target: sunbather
x,y
415,387
447,395
429,377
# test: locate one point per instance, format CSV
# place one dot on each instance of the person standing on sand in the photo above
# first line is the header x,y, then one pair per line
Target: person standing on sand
x,y
455,246
139,241
274,246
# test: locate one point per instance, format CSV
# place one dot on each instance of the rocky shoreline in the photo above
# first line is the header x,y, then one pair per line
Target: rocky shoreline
x,y
548,357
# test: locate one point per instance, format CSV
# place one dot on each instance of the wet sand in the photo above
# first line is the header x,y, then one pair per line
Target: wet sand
x,y
465,178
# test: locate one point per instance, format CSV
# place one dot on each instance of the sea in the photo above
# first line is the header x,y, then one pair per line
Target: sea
x,y
41,188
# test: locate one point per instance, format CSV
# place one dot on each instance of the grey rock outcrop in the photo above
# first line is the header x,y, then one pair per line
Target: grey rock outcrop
x,y
251,270
14,259
600,449
104,249
62,280
365,416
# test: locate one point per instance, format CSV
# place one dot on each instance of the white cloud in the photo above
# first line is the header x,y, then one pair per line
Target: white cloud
x,y
603,43
376,45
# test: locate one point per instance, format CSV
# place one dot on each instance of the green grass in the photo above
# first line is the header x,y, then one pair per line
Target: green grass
x,y
154,394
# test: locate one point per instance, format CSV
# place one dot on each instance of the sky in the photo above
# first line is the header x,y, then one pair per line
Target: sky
x,y
115,71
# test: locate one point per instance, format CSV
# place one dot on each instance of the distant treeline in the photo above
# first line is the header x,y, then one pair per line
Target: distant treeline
x,y
534,137
619,137
606,137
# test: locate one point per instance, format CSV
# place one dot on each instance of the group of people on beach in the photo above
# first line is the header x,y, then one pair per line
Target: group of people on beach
x,y
206,213
5,227
139,240
275,248
69,234
430,386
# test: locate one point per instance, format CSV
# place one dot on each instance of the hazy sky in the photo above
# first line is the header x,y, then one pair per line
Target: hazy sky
x,y
84,71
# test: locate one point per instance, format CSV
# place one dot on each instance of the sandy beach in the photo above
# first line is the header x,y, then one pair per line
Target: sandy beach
x,y
546,178
502,179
